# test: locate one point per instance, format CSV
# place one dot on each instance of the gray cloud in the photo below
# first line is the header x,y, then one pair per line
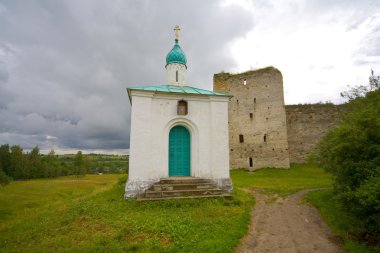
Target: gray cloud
x,y
64,65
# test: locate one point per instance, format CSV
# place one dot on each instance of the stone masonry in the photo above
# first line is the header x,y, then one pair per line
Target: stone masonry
x,y
263,132
257,118
307,124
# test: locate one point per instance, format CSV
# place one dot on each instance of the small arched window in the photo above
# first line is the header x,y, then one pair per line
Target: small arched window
x,y
265,138
176,75
182,107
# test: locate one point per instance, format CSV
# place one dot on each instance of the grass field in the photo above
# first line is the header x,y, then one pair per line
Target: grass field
x,y
89,214
283,181
339,221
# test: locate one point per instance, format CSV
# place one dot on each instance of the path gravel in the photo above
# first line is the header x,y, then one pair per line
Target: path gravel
x,y
287,225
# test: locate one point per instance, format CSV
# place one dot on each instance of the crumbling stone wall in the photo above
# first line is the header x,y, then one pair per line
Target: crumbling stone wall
x,y
257,110
307,124
257,118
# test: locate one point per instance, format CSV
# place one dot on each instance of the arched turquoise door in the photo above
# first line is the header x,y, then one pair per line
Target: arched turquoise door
x,y
179,151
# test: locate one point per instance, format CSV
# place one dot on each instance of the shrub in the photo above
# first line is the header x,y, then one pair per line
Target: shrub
x,y
4,179
352,153
365,202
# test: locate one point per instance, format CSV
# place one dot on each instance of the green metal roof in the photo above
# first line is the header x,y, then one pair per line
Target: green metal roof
x,y
178,89
176,55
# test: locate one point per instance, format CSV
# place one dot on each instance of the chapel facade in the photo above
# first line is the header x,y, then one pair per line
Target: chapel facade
x,y
177,131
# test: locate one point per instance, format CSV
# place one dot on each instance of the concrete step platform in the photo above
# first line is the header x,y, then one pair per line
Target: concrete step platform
x,y
226,196
187,192
183,180
183,187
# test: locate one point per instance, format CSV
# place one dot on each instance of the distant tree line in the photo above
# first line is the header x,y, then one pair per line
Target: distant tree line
x,y
15,164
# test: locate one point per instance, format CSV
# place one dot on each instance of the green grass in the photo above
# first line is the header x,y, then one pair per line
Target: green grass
x,y
21,199
339,221
89,214
283,181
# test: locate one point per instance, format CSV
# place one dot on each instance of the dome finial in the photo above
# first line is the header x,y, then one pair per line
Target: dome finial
x,y
176,30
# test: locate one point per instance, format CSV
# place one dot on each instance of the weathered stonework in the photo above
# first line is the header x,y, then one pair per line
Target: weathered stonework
x,y
257,118
224,183
258,109
136,188
307,124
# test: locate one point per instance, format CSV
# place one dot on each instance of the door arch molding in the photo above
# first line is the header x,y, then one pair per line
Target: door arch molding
x,y
194,140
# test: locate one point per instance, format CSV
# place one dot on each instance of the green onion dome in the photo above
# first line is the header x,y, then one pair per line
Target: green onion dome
x,y
176,55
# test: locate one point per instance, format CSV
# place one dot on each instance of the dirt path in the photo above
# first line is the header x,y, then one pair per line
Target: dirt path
x,y
286,225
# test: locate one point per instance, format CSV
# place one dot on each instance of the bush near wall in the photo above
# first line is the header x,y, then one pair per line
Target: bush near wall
x,y
352,153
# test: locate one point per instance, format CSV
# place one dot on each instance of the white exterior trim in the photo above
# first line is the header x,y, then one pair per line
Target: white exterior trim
x,y
154,114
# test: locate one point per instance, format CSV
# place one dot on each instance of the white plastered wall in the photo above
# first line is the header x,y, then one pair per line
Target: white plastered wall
x,y
171,69
152,117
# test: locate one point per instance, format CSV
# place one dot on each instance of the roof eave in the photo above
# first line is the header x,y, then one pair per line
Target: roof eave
x,y
129,96
195,92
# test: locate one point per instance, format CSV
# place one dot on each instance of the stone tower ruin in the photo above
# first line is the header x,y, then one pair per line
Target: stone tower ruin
x,y
257,118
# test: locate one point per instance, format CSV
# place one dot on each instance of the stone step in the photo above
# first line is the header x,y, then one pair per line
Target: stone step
x,y
178,193
183,186
224,195
183,180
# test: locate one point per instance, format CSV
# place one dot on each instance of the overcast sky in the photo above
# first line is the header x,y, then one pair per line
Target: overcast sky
x,y
65,64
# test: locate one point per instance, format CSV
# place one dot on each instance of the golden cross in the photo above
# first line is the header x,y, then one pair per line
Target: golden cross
x,y
176,30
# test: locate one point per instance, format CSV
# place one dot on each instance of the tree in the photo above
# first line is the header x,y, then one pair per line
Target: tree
x,y
5,159
50,165
4,179
361,90
352,153
18,163
35,163
80,164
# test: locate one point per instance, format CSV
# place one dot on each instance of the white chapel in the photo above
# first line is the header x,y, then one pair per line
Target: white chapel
x,y
177,132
